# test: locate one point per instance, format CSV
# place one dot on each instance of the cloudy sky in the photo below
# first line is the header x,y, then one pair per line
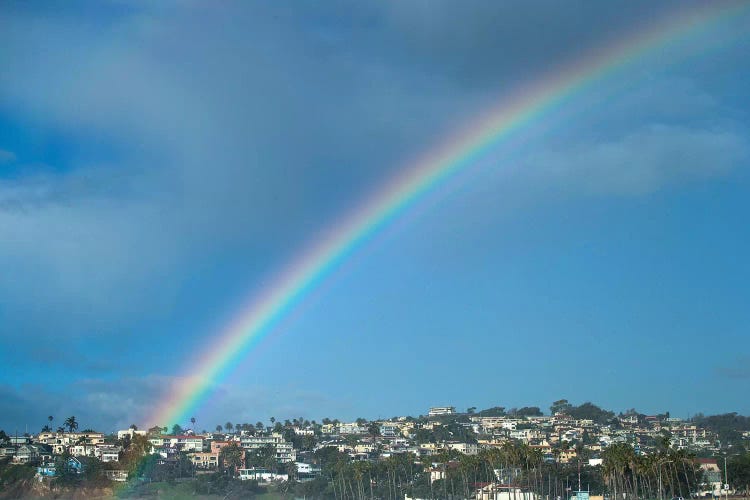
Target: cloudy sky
x,y
160,162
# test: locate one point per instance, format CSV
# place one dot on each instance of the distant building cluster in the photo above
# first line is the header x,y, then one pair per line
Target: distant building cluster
x,y
558,438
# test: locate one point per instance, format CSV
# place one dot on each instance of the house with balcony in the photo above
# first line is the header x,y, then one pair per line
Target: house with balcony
x,y
184,442
284,450
205,460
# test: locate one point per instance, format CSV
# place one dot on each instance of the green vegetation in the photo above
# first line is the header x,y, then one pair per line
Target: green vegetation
x,y
728,427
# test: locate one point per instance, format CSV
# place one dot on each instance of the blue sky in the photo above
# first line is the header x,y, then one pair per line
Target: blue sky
x,y
161,162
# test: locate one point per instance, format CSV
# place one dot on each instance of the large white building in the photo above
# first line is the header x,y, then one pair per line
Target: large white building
x,y
352,428
465,448
183,442
442,410
284,451
130,432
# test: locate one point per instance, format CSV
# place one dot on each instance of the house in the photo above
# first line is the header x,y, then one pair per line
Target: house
x,y
205,460
495,491
261,474
389,430
465,448
329,428
118,475
32,453
284,450
76,464
107,453
62,441
307,472
46,469
712,479
7,450
437,473
352,428
442,410
567,456
82,450
216,446
130,433
183,442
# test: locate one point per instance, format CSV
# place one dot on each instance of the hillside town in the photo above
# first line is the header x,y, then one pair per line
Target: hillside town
x,y
571,452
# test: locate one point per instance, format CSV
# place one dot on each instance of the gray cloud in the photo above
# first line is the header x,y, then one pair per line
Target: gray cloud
x,y
108,405
104,405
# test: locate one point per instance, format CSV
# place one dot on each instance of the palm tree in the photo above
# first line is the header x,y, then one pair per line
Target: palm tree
x,y
218,428
192,421
71,423
228,426
291,470
50,418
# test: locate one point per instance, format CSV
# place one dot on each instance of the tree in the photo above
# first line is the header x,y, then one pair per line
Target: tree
x,y
738,469
219,428
590,411
231,457
471,410
497,411
529,411
134,427
374,429
259,426
262,457
71,423
291,470
560,406
46,428
228,426
273,420
50,418
64,473
192,422
177,430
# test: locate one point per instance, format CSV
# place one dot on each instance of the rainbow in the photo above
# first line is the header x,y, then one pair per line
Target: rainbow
x,y
513,113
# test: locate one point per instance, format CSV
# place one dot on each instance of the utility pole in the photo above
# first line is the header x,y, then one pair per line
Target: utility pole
x,y
726,479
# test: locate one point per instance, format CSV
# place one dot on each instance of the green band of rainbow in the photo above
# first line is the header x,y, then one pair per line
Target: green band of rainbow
x,y
512,114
